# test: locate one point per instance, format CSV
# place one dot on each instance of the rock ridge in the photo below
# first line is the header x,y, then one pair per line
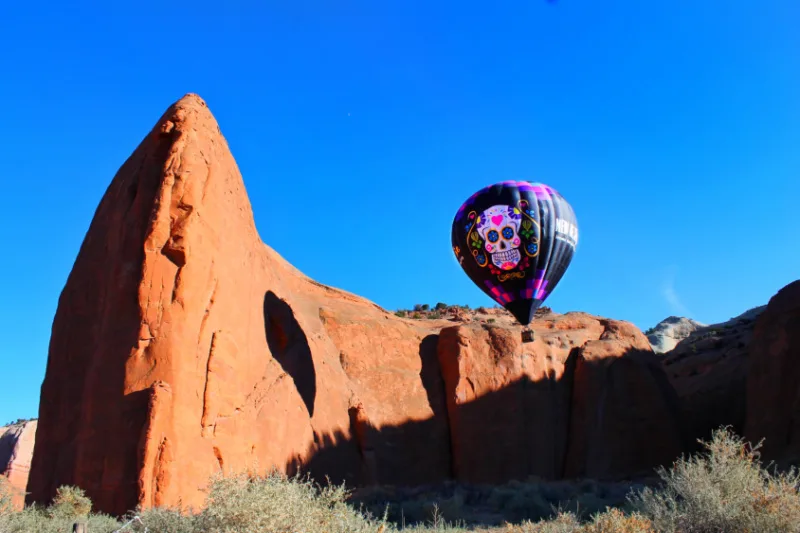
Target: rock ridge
x,y
184,346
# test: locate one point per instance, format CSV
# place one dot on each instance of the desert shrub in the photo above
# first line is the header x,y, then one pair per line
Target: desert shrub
x,y
70,505
539,500
267,504
160,519
616,521
441,306
610,521
18,421
416,315
562,523
401,313
70,502
38,520
435,315
6,496
725,489
435,524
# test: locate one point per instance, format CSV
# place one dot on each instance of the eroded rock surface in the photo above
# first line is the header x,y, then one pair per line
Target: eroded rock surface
x,y
16,451
587,398
183,345
773,377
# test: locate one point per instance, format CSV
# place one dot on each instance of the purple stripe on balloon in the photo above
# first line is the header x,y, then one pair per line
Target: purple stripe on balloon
x,y
542,191
540,292
543,186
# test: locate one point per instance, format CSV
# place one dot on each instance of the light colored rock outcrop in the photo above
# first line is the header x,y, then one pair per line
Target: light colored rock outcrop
x,y
670,331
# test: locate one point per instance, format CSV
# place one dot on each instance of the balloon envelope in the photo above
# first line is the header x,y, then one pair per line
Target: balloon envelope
x,y
515,240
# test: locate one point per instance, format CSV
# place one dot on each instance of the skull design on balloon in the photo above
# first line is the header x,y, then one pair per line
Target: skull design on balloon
x,y
503,239
499,227
515,239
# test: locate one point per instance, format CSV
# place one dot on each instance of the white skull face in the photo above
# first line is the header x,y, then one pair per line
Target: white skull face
x,y
498,227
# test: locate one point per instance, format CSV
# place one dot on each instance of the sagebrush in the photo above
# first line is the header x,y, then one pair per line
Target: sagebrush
x,y
724,489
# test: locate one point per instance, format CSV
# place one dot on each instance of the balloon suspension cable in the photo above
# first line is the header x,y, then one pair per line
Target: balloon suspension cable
x,y
527,335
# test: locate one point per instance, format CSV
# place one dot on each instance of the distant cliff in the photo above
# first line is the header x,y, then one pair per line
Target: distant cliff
x,y
670,331
16,452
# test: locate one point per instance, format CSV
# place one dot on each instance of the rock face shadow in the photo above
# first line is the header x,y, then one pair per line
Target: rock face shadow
x,y
289,346
8,440
581,424
431,376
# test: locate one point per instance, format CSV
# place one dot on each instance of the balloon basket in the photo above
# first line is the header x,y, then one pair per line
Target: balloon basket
x,y
527,335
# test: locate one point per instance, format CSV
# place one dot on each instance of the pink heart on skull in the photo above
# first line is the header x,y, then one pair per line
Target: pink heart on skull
x,y
497,219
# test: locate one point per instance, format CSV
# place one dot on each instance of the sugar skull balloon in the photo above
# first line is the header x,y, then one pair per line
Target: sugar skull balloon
x,y
515,240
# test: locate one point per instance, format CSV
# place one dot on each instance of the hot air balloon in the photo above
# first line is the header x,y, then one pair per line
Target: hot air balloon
x,y
515,240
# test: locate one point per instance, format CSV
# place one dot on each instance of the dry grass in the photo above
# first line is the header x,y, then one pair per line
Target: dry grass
x,y
6,496
725,489
516,501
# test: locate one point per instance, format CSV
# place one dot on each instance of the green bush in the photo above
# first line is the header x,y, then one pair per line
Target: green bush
x,y
71,502
70,505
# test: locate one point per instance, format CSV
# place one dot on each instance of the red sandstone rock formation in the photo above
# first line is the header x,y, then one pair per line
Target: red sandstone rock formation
x,y
586,398
16,451
183,345
773,377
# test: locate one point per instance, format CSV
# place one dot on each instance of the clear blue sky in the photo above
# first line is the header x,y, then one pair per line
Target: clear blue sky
x,y
672,128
